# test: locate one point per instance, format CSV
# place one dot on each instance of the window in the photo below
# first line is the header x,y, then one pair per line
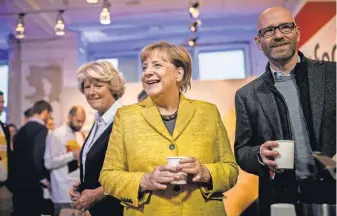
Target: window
x,y
4,89
126,65
220,65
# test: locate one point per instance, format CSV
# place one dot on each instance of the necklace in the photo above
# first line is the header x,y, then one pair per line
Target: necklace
x,y
169,117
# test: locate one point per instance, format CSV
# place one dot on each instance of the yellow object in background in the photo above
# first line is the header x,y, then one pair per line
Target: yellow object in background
x,y
72,145
245,192
3,150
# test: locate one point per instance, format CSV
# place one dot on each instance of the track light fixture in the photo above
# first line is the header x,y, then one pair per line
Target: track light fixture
x,y
194,9
105,14
59,27
20,29
92,1
194,26
192,42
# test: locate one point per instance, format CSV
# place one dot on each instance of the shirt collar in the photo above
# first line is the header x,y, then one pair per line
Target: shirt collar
x,y
109,115
278,74
66,125
32,119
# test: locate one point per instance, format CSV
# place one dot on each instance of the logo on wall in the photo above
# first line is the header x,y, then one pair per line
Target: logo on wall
x,y
326,56
318,37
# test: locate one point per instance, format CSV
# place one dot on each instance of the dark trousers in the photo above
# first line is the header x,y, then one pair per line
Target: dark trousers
x,y
109,206
28,202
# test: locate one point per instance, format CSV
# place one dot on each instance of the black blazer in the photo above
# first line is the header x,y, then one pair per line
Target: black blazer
x,y
27,160
8,140
262,116
109,206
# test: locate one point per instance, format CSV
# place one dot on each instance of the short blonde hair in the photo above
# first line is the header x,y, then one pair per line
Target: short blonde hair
x,y
177,55
102,71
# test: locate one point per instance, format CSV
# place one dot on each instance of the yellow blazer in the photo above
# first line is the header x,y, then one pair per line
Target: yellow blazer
x,y
140,141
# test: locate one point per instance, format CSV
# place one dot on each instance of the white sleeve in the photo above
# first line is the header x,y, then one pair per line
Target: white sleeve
x,y
54,156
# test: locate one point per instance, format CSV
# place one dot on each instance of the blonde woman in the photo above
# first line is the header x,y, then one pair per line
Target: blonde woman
x,y
102,86
167,124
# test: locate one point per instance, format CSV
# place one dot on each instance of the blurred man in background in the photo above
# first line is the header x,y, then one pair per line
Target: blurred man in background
x,y
27,114
28,173
12,131
61,158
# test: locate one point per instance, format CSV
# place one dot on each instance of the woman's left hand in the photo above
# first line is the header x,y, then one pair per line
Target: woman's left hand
x,y
86,200
192,165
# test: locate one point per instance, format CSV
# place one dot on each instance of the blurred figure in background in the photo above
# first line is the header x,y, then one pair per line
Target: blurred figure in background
x,y
12,130
167,124
142,96
102,86
50,124
5,154
27,114
61,158
27,171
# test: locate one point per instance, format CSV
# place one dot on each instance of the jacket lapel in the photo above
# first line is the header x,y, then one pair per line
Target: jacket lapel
x,y
153,118
186,111
94,147
81,153
316,81
98,144
267,101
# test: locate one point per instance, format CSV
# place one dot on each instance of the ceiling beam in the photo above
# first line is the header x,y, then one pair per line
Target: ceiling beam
x,y
43,25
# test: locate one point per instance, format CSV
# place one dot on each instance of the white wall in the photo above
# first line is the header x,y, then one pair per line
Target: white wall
x,y
129,66
38,68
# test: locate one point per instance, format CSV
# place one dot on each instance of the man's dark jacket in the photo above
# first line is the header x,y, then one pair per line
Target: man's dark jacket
x,y
26,167
262,115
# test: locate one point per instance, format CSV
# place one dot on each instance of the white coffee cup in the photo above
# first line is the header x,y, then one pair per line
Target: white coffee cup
x,y
174,161
281,209
285,159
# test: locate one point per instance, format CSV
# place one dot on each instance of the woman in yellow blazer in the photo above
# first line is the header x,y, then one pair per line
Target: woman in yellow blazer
x,y
167,124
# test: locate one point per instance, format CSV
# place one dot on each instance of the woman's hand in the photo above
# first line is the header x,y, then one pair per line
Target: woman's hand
x,y
88,198
159,178
73,192
192,165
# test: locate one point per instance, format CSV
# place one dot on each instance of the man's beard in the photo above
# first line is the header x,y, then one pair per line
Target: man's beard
x,y
283,57
74,128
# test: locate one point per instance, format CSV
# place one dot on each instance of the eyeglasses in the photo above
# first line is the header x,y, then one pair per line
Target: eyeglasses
x,y
285,28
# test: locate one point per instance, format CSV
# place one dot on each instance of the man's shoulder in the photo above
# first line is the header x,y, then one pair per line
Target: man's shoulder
x,y
34,128
315,63
251,86
60,131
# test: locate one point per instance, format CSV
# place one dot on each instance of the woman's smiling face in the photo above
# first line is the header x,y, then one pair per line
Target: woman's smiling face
x,y
159,76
